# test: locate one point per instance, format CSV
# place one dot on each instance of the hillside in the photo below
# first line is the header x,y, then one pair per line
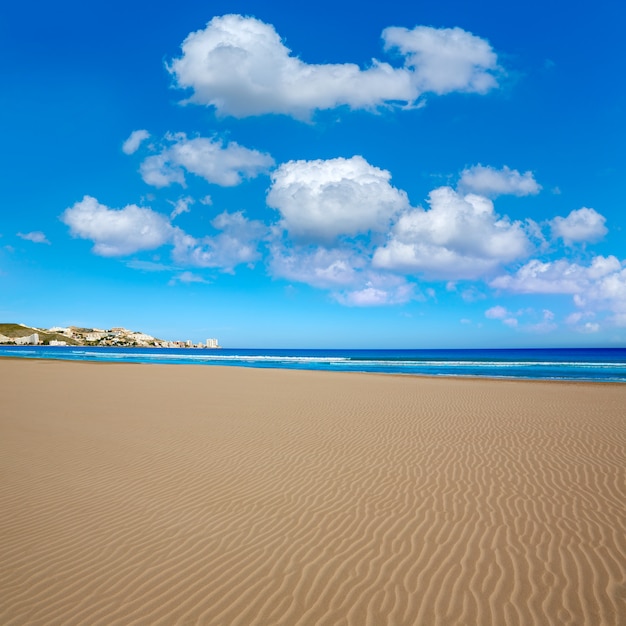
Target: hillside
x,y
19,330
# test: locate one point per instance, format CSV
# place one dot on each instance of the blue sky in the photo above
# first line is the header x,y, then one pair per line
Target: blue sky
x,y
341,175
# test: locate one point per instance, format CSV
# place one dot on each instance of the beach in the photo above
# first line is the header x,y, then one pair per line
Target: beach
x,y
180,495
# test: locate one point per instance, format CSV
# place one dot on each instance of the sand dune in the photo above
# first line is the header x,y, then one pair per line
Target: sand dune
x,y
179,495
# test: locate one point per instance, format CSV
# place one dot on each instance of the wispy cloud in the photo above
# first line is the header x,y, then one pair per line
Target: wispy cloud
x,y
136,138
35,236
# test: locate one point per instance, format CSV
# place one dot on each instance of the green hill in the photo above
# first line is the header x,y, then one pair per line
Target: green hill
x,y
18,330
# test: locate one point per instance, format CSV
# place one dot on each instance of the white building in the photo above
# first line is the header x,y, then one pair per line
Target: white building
x,y
212,343
62,330
32,340
95,336
141,337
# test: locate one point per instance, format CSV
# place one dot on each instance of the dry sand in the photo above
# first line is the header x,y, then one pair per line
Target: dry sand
x,y
155,494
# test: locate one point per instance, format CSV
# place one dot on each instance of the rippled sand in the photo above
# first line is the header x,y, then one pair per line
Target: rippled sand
x,y
154,494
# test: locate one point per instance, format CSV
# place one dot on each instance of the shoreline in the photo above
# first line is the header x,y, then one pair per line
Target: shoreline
x,y
477,377
188,495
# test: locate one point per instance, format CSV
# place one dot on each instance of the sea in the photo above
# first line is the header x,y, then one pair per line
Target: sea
x,y
606,365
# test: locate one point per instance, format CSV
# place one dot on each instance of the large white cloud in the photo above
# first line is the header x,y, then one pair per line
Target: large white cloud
x,y
323,199
237,243
240,66
490,182
459,237
210,159
579,226
117,232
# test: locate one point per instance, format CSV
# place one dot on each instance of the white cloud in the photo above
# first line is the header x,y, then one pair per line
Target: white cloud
x,y
496,313
580,225
511,319
459,237
321,200
136,138
181,206
558,276
240,66
600,286
35,236
236,244
345,272
380,290
186,278
323,268
117,232
443,60
490,182
225,165
500,313
592,327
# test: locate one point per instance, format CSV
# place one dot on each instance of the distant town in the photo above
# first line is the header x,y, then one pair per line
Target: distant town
x,y
20,334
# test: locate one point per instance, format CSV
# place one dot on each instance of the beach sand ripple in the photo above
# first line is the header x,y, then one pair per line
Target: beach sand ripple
x,y
180,495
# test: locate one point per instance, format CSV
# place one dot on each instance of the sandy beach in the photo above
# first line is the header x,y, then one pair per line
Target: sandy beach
x,y
180,495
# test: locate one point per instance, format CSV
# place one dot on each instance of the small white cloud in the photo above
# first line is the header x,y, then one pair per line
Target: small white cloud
x,y
460,237
236,244
35,236
496,313
372,294
136,138
225,165
321,200
511,322
117,232
181,206
240,66
592,327
490,182
472,294
186,278
443,60
579,226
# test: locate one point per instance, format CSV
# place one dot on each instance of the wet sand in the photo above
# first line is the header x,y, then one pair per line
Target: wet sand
x,y
179,495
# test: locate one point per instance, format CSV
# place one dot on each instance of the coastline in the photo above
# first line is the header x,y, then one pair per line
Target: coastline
x,y
606,365
402,375
180,495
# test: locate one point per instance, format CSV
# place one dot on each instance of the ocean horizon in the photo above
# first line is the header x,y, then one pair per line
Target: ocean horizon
x,y
567,364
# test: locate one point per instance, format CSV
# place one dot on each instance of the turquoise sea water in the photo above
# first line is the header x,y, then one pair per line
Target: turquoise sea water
x,y
585,364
